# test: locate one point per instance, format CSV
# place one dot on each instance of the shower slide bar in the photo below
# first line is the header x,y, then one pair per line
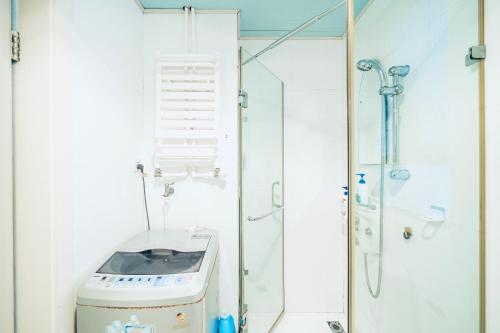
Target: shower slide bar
x,y
294,32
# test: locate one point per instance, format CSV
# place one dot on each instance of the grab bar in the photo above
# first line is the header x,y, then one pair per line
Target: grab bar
x,y
275,206
253,219
273,190
369,206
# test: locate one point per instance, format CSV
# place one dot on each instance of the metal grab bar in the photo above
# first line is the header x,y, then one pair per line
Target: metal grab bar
x,y
253,219
273,190
369,206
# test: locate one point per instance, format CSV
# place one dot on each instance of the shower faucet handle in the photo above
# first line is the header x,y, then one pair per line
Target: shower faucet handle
x,y
408,233
398,89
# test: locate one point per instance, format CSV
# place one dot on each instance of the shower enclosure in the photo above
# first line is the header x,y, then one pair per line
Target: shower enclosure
x,y
416,217
261,199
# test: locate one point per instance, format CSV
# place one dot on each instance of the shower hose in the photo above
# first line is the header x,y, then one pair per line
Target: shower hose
x,y
376,293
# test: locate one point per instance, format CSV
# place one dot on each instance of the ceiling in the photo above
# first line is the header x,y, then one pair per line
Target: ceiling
x,y
273,18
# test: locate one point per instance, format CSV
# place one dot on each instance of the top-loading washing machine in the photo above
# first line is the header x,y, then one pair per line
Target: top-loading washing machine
x,y
157,282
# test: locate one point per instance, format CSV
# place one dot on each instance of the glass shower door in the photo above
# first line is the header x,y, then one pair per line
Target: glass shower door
x,y
262,299
417,211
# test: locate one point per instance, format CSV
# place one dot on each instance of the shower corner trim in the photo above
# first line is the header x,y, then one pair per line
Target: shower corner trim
x,y
351,155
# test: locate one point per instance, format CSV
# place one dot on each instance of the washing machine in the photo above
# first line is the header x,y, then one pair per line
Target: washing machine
x,y
157,282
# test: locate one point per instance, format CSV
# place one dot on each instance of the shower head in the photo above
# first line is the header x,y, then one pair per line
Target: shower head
x,y
400,71
366,65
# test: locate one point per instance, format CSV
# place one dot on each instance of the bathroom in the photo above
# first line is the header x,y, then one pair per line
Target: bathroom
x,y
348,176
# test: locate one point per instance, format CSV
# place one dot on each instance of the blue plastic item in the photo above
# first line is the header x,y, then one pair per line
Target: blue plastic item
x,y
346,190
226,324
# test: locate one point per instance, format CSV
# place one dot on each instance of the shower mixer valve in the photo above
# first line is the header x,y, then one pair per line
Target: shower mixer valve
x,y
169,190
408,233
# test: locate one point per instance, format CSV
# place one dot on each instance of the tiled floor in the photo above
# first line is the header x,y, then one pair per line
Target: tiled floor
x,y
308,322
261,322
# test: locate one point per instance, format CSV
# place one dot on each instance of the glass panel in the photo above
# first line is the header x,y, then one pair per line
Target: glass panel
x,y
369,129
262,195
418,208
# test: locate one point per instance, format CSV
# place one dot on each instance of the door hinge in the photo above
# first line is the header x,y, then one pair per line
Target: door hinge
x,y
475,55
16,46
244,319
243,99
335,326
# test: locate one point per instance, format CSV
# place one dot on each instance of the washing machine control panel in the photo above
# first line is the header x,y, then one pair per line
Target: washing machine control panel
x,y
107,281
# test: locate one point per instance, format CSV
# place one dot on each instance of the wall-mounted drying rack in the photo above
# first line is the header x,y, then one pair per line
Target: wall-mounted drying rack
x,y
187,113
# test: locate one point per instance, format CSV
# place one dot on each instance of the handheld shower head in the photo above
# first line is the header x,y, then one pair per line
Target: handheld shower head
x,y
366,65
400,71
397,72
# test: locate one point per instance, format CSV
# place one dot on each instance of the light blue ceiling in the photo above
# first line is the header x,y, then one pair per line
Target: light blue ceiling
x,y
272,18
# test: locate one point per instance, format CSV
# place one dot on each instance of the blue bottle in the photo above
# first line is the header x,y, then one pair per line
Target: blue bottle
x,y
226,324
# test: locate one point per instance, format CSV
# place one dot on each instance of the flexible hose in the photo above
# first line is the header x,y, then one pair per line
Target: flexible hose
x,y
145,200
375,294
140,168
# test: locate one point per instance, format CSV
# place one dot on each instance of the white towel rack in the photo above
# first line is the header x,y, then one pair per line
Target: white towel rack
x,y
187,117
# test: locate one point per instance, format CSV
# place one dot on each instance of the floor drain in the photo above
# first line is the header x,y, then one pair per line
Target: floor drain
x,y
335,326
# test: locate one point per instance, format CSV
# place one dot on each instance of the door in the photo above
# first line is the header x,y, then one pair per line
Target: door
x,y
261,221
417,226
6,203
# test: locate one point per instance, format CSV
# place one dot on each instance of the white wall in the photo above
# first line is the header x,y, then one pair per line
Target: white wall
x,y
492,164
78,136
6,216
33,197
436,273
313,72
199,203
107,130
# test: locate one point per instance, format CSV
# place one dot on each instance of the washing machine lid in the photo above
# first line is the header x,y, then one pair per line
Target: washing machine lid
x,y
154,268
153,262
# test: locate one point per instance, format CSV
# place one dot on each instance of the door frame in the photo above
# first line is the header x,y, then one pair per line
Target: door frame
x,y
242,324
7,305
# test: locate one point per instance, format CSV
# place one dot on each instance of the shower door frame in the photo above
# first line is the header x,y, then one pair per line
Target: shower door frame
x,y
242,307
351,120
7,284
